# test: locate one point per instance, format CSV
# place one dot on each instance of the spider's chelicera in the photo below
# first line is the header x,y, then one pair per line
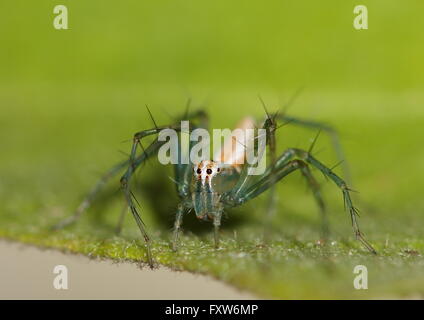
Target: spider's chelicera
x,y
208,187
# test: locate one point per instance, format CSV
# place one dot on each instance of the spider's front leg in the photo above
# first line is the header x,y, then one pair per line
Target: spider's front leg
x,y
216,224
316,191
271,125
178,221
135,161
177,226
90,196
329,130
291,160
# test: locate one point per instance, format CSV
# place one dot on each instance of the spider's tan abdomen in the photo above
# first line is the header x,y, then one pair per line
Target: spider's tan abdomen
x,y
233,152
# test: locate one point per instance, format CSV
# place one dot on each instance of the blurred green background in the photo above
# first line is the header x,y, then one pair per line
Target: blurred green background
x,y
69,98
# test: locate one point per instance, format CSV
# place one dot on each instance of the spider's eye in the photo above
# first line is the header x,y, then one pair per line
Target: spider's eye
x,y
218,169
199,171
209,171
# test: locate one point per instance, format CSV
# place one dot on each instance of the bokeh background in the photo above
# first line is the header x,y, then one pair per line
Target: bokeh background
x,y
70,100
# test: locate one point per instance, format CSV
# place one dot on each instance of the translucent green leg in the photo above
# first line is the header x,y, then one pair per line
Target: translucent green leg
x,y
284,166
272,200
345,191
270,125
152,149
177,227
134,162
327,129
216,225
85,204
118,228
316,191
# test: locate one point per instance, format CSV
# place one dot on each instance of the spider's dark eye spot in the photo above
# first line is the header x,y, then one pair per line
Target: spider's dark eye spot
x,y
199,171
209,171
218,169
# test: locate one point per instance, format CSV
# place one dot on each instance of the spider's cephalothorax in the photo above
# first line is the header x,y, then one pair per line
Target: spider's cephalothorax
x,y
210,187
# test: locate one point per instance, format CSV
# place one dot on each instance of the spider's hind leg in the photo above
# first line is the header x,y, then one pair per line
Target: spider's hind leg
x,y
291,160
270,125
329,130
120,223
85,204
177,226
216,225
316,191
315,188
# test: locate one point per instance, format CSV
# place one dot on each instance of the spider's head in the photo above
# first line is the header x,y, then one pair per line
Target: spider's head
x,y
206,170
